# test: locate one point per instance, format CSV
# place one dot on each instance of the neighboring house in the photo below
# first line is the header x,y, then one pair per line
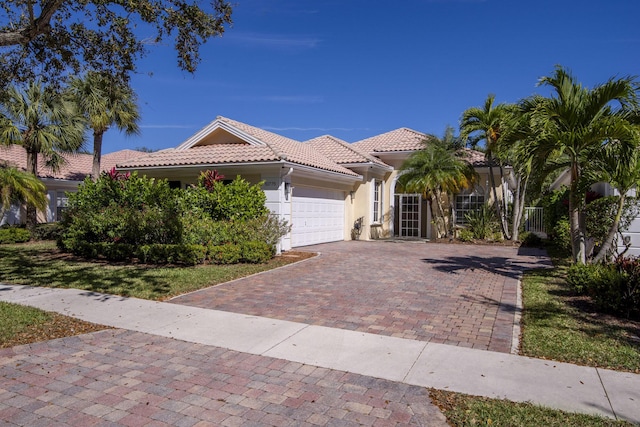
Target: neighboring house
x,y
321,187
74,170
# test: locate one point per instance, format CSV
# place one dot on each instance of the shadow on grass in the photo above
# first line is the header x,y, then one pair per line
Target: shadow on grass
x,y
40,266
550,304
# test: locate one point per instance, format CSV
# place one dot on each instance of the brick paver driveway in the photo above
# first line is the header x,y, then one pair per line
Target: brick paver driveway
x,y
124,378
462,295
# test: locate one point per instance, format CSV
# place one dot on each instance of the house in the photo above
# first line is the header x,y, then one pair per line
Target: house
x,y
71,173
322,187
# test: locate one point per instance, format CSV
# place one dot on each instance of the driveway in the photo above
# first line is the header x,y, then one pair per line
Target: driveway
x,y
464,295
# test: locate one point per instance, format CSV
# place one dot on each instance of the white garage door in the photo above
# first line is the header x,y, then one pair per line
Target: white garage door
x,y
317,216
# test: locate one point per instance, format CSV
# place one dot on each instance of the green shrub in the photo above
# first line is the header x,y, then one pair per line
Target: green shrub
x,y
614,288
116,251
47,231
155,253
256,252
121,208
561,235
14,235
224,254
189,254
582,277
238,200
629,289
465,235
482,222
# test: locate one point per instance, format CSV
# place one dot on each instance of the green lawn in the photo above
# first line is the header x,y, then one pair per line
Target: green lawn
x,y
41,264
559,325
463,410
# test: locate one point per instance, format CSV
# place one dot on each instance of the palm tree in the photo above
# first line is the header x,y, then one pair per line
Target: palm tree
x,y
623,176
435,171
489,124
577,124
20,187
105,102
44,124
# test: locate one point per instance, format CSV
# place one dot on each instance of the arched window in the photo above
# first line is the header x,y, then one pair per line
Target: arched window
x,y
466,202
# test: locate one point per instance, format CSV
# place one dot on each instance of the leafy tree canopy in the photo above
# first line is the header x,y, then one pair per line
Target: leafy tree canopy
x,y
52,38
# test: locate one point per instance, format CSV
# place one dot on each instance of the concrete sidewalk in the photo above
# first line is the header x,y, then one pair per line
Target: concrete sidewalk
x,y
478,372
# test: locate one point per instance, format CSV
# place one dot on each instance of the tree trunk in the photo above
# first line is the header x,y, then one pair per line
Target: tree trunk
x,y
438,214
518,206
496,202
97,155
603,253
32,214
505,207
578,243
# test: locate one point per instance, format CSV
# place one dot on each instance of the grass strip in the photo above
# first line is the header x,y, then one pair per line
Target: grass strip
x,y
42,264
560,325
26,325
464,410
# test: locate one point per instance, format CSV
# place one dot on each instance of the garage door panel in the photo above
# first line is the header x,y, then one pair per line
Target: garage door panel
x,y
317,216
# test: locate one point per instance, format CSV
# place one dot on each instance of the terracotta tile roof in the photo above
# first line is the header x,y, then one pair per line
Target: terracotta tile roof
x,y
289,149
206,154
474,157
342,152
266,146
403,139
76,166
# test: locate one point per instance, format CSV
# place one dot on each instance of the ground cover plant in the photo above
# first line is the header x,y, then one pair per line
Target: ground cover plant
x,y
42,264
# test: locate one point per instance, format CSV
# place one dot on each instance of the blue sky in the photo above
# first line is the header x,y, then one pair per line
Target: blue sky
x,y
358,68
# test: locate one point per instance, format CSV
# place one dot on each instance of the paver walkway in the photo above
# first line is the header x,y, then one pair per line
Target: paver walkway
x,y
123,378
442,293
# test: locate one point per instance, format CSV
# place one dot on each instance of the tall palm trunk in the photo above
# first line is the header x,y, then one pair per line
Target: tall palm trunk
x,y
440,219
32,167
496,203
97,154
505,206
578,240
603,253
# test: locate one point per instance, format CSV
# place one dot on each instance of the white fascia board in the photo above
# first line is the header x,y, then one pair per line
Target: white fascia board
x,y
218,124
200,165
322,174
394,155
368,165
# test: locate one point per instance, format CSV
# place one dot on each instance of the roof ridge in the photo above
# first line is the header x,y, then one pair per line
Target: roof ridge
x,y
275,150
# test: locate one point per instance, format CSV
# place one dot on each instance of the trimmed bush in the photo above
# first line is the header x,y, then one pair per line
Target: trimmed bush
x,y
224,254
116,251
14,235
189,254
47,231
256,252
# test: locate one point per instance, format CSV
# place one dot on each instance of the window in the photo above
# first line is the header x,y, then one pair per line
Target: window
x,y
377,201
468,202
58,203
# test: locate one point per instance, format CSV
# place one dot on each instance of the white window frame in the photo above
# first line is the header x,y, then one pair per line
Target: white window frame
x,y
377,198
470,201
